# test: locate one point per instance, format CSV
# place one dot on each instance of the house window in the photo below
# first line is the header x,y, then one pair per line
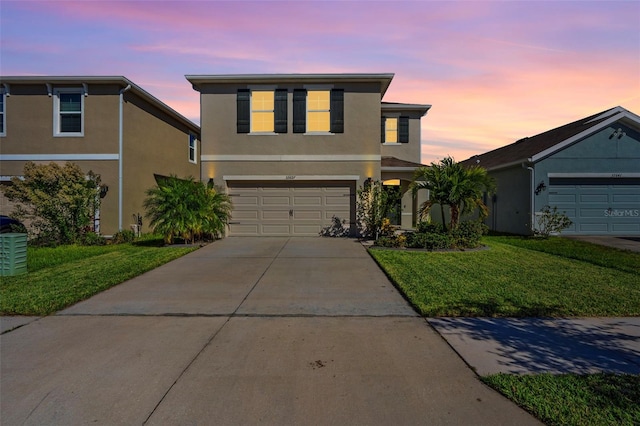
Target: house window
x,y
391,130
3,121
68,112
262,111
193,149
394,130
318,111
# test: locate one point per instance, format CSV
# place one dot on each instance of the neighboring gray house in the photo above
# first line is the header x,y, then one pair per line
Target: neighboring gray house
x,y
292,149
589,169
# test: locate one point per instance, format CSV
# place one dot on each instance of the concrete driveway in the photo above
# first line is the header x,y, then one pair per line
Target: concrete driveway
x,y
245,331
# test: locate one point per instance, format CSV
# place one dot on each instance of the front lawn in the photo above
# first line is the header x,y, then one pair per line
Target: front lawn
x,y
512,281
59,277
528,277
596,399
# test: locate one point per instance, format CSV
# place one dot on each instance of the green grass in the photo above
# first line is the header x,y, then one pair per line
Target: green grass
x,y
59,277
512,281
596,399
622,260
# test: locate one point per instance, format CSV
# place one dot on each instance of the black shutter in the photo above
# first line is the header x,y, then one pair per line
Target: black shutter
x,y
383,130
299,111
243,121
280,111
337,111
403,130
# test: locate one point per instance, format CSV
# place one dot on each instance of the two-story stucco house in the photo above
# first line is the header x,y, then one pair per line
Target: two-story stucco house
x,y
292,149
105,124
588,169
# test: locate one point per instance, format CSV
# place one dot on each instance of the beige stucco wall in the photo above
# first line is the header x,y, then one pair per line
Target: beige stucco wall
x,y
360,138
152,144
410,151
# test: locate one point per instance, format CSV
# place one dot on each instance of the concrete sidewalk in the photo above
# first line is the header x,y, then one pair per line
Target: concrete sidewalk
x,y
544,345
245,331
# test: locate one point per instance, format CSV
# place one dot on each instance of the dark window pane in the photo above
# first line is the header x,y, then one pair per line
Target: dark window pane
x,y
70,123
70,102
1,123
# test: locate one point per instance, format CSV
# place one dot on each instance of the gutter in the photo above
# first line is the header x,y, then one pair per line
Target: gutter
x,y
120,149
532,192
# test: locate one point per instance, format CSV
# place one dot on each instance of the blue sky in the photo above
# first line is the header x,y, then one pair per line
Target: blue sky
x,y
493,71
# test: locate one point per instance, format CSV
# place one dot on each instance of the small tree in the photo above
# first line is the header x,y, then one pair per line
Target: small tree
x,y
372,208
187,209
59,201
453,185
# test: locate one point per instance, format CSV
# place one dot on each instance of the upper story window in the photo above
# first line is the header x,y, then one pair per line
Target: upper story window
x,y
262,115
68,112
3,120
193,149
262,111
318,111
391,130
395,130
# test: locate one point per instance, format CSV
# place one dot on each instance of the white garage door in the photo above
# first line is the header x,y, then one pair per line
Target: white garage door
x,y
598,206
287,208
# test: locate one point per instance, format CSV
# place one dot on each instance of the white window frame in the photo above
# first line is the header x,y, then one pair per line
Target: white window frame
x,y
397,142
260,88
3,93
317,88
193,139
57,112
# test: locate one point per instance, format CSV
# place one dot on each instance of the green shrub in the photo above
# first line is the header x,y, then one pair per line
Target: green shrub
x,y
469,233
429,241
124,236
93,239
396,241
430,228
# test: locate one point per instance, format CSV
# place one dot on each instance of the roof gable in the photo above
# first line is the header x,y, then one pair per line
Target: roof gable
x,y
536,148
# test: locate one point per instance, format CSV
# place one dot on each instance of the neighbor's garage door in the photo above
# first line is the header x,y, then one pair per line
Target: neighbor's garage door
x,y
598,206
288,208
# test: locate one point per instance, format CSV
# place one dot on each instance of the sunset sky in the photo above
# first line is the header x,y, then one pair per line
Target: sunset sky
x,y
494,71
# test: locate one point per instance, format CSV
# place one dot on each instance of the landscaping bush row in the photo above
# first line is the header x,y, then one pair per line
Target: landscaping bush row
x,y
433,236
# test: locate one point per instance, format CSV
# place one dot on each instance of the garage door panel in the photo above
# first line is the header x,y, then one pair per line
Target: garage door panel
x,y
301,229
561,198
627,198
307,215
243,200
275,200
594,198
307,200
239,229
245,214
276,230
626,227
275,214
337,200
595,213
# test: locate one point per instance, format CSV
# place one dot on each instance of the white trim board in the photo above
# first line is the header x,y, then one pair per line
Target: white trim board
x,y
291,178
296,158
58,157
593,175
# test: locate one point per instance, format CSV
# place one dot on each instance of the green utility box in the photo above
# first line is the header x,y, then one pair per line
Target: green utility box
x,y
13,254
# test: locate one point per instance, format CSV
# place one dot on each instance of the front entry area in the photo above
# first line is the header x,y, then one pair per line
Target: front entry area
x,y
283,208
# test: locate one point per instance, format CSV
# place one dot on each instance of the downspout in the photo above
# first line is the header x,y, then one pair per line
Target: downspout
x,y
532,192
120,149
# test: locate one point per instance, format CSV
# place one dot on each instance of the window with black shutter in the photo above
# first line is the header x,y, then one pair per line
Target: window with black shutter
x,y
280,111
403,130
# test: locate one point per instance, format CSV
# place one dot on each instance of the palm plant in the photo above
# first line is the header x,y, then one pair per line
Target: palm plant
x,y
453,185
187,209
